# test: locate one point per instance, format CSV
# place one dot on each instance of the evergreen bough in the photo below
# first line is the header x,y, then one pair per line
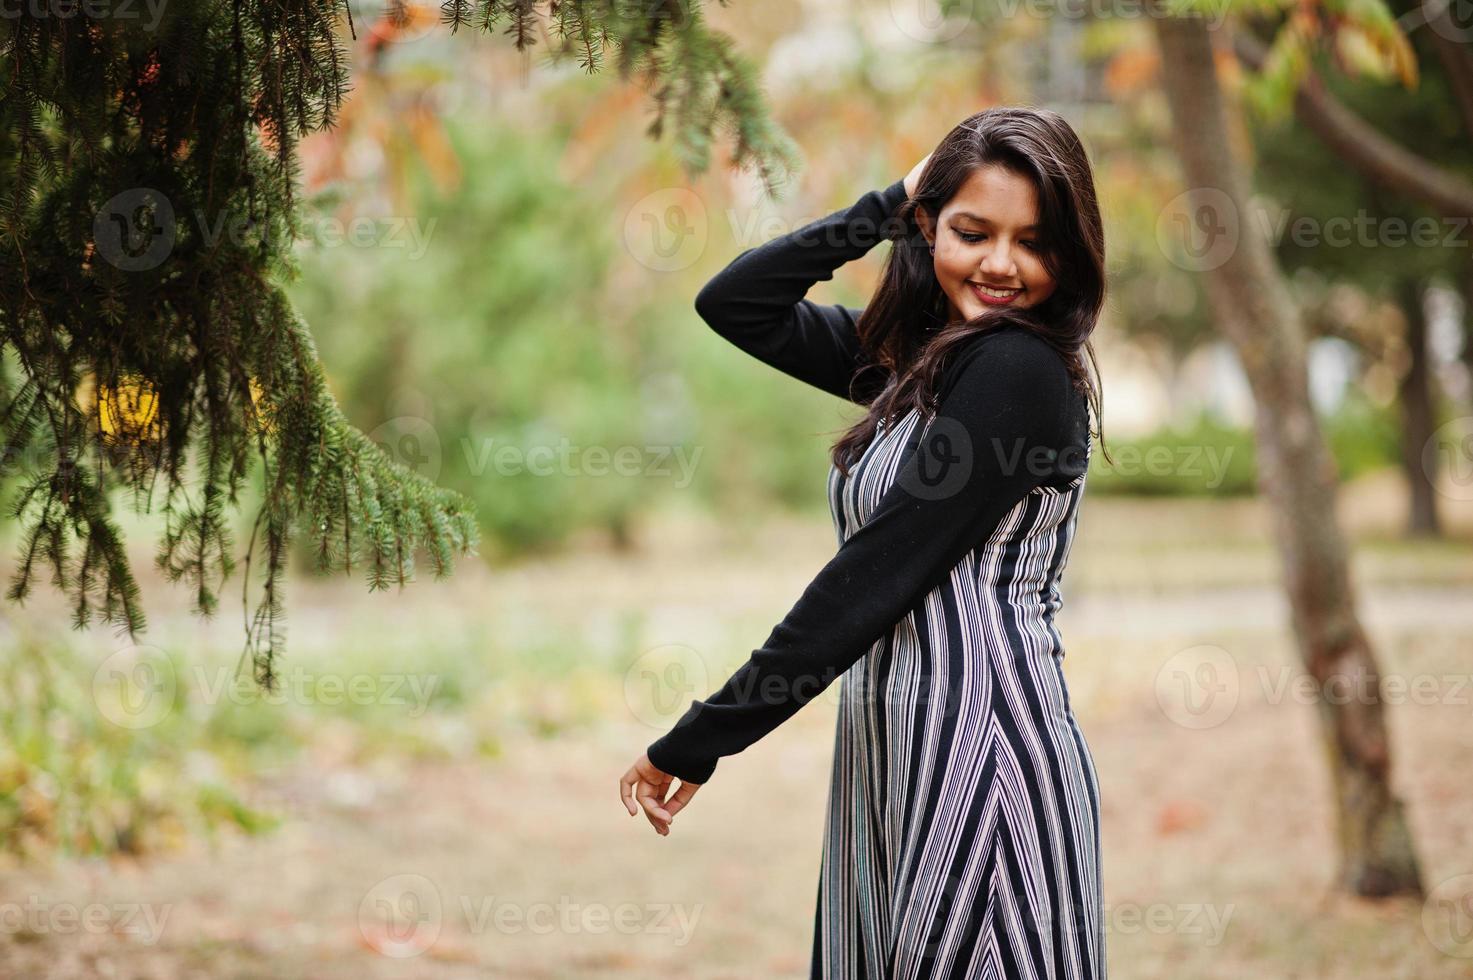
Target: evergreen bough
x,y
147,218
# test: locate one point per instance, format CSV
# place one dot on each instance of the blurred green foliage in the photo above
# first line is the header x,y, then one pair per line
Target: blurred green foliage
x,y
472,324
1207,458
1363,436
73,780
1201,458
143,754
519,328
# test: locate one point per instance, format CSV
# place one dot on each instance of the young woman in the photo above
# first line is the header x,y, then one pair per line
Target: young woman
x,y
963,817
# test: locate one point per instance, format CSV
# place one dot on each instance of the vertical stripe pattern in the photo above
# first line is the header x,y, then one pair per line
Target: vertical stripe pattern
x,y
962,836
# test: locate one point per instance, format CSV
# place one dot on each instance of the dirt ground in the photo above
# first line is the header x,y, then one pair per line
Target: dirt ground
x,y
1218,843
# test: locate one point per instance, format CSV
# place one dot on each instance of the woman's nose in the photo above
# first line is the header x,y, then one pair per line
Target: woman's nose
x,y
999,262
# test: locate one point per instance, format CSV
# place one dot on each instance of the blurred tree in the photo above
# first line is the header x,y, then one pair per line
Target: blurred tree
x,y
149,164
1432,116
1161,305
1352,231
1255,310
1418,409
1465,288
1365,40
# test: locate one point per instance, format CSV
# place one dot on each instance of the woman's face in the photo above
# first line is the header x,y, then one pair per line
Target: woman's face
x,y
987,246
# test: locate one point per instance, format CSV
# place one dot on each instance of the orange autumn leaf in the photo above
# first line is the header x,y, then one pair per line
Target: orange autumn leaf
x,y
1131,71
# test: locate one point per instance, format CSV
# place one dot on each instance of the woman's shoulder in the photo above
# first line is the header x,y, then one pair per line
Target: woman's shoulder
x,y
1011,365
1011,351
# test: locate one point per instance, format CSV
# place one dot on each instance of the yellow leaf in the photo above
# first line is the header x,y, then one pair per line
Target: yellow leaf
x,y
263,412
1379,54
129,410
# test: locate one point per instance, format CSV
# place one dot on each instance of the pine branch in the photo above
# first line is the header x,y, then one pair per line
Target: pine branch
x,y
146,222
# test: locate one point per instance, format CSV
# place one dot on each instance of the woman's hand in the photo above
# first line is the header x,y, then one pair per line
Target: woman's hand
x,y
648,785
913,178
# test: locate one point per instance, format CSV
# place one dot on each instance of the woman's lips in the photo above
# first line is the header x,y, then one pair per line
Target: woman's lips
x,y
990,300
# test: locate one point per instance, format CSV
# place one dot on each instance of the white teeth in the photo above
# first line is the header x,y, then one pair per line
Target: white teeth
x,y
999,293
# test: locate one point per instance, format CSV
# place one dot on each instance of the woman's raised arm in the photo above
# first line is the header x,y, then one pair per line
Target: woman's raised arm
x,y
757,302
1008,421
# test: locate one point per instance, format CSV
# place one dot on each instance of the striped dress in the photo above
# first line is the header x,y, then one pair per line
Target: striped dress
x,y
963,829
962,836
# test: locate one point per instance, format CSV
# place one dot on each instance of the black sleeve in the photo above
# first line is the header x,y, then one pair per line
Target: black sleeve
x,y
1007,421
757,302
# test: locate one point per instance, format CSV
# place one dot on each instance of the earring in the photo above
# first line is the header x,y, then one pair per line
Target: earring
x,y
933,248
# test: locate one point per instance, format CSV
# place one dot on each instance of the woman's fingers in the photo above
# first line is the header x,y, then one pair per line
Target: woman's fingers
x,y
912,178
634,789
627,783
652,797
682,796
643,787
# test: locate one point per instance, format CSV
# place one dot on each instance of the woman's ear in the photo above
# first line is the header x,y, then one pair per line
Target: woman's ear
x,y
926,223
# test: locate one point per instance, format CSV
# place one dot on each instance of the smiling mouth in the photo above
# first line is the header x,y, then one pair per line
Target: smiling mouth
x,y
993,293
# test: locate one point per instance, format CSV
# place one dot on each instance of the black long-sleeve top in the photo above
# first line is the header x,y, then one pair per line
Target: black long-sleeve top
x,y
1008,419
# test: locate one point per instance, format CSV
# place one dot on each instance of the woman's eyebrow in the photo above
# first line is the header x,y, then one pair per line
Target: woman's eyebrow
x,y
988,221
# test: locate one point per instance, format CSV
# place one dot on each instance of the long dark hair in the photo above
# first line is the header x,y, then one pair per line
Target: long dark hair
x,y
903,334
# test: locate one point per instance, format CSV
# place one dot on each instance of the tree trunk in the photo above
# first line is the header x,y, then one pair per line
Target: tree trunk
x,y
1252,306
1466,289
1418,414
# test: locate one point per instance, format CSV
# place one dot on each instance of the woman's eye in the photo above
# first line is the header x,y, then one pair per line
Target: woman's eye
x,y
974,237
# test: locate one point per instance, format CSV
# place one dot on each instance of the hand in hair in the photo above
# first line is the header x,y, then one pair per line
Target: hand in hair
x,y
913,178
